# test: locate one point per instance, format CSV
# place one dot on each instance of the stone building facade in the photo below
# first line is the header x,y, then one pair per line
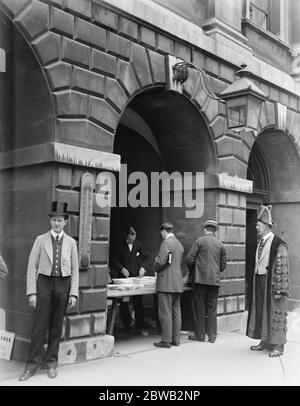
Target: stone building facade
x,y
86,85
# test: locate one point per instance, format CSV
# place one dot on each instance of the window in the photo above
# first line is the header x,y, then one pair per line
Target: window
x,y
259,13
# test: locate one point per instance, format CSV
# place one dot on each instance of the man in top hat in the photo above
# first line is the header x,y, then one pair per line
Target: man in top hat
x,y
267,319
205,260
52,284
131,260
169,286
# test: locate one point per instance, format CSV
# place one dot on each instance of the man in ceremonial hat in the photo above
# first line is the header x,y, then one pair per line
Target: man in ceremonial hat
x,y
205,260
52,284
267,316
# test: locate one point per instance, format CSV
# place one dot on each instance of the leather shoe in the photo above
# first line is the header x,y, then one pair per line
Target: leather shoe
x,y
162,344
259,347
52,373
176,343
212,340
275,353
26,375
194,338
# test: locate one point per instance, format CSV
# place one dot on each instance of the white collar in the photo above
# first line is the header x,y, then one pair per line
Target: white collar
x,y
267,236
54,234
170,235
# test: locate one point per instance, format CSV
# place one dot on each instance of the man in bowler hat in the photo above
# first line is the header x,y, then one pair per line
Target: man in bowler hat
x,y
169,286
267,315
205,260
52,285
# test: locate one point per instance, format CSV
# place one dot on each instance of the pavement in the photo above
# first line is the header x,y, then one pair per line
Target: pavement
x,y
136,362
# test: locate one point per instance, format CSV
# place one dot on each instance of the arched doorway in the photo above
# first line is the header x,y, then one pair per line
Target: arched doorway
x,y
162,131
274,167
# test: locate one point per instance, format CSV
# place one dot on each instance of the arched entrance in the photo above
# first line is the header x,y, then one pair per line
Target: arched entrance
x,y
274,167
162,131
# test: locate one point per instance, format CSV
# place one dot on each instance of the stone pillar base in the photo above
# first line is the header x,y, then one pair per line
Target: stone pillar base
x,y
85,349
233,322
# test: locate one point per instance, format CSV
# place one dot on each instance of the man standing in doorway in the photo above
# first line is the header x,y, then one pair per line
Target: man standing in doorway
x,y
169,286
267,317
131,260
205,260
52,284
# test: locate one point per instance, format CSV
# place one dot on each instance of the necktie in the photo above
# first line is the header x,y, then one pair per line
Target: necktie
x,y
57,238
261,247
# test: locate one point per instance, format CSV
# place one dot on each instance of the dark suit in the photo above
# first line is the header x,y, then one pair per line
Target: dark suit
x,y
169,286
132,260
205,260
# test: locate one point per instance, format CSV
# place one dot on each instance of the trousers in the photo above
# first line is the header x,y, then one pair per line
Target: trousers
x,y
169,314
205,305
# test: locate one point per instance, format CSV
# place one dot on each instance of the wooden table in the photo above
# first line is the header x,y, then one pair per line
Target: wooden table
x,y
119,296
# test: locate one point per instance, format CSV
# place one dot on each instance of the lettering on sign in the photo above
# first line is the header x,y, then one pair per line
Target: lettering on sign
x,y
6,344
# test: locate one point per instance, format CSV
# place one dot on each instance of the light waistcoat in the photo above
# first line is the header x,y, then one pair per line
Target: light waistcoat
x,y
262,264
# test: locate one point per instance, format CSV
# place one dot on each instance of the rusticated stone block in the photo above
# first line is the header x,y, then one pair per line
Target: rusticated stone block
x,y
59,75
233,270
98,323
232,166
227,73
14,7
118,45
87,81
128,28
225,215
147,37
211,109
222,198
75,53
165,44
74,226
100,228
241,303
70,197
35,20
182,51
92,300
141,65
85,349
158,67
239,217
99,251
103,113
115,94
61,22
72,103
82,7
212,66
100,275
85,278
225,287
103,16
70,131
63,177
218,127
103,63
127,77
47,47
90,33
220,306
78,325
238,287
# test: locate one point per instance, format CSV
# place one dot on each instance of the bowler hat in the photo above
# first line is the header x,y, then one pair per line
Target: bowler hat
x,y
265,216
211,223
59,209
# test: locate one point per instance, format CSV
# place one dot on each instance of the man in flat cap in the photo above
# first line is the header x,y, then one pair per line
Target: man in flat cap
x,y
205,260
267,316
169,286
52,284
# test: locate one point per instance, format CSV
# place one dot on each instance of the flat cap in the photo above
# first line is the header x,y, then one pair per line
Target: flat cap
x,y
211,223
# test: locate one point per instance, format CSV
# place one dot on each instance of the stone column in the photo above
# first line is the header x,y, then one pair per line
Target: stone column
x,y
295,38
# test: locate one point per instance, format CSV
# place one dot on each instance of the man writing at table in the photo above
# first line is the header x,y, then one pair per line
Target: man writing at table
x,y
131,261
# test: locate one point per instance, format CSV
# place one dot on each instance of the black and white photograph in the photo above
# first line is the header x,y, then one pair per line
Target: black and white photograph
x,y
149,196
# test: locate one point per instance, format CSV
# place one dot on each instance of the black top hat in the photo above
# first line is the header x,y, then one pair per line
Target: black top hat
x,y
59,209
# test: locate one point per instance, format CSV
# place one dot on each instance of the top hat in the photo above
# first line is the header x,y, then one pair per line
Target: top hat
x,y
265,216
211,223
59,209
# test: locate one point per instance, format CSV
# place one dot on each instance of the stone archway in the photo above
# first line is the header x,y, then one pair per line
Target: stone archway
x,y
282,162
